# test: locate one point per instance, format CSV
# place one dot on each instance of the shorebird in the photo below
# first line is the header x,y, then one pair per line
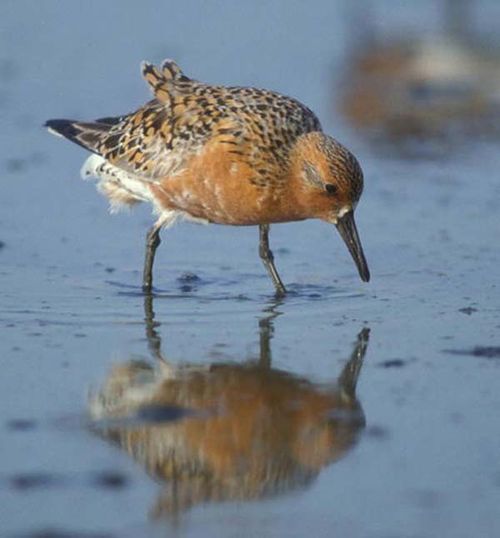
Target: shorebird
x,y
225,155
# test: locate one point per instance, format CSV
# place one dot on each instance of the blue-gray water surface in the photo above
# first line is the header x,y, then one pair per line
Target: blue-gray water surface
x,y
423,461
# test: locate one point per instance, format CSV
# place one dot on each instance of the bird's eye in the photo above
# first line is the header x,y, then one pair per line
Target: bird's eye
x,y
330,188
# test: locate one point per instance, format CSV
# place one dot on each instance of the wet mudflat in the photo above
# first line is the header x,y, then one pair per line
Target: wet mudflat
x,y
212,409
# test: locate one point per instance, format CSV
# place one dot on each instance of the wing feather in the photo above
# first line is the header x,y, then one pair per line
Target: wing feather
x,y
157,140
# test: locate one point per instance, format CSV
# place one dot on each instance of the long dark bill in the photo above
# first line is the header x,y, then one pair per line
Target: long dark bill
x,y
347,229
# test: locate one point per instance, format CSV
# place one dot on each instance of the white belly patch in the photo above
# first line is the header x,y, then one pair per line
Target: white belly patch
x,y
120,187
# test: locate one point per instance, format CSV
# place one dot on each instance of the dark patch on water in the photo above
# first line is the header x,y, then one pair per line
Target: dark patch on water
x,y
110,269
15,165
110,480
188,282
189,277
2,245
21,424
377,432
467,310
30,481
392,363
483,352
60,533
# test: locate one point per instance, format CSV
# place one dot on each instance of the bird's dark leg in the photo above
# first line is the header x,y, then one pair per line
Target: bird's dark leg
x,y
268,259
152,242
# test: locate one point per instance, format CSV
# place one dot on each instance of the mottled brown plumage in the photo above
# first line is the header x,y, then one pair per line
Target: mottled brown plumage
x,y
226,155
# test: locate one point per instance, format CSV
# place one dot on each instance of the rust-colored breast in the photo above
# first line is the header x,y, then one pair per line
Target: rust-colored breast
x,y
226,186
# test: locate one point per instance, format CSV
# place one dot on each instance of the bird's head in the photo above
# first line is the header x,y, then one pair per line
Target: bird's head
x,y
331,183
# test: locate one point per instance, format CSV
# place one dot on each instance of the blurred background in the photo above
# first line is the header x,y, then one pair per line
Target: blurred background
x,y
413,89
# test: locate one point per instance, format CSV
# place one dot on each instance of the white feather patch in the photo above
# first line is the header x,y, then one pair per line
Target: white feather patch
x,y
120,187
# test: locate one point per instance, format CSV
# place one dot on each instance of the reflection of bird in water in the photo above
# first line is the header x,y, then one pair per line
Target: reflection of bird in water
x,y
412,86
224,155
228,431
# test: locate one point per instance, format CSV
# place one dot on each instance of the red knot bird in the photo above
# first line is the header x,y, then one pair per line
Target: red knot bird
x,y
225,155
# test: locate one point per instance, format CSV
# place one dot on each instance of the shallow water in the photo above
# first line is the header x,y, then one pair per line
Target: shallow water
x,y
426,461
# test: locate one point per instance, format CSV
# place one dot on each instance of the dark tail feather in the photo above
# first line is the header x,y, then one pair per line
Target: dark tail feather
x,y
63,128
86,135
